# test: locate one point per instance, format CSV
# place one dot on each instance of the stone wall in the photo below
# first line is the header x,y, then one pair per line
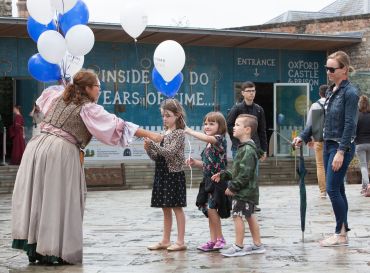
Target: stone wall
x,y
359,53
22,8
6,8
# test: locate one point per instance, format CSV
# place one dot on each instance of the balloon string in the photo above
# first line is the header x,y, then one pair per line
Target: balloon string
x,y
191,169
137,53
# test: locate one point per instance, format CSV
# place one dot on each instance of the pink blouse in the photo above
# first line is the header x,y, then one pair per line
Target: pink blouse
x,y
105,127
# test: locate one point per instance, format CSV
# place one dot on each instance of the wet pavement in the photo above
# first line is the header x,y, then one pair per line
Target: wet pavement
x,y
119,225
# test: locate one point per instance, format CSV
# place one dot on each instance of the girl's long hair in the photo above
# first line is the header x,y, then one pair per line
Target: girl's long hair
x,y
175,107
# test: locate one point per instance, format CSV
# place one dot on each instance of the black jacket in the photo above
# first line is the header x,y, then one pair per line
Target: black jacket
x,y
223,202
260,138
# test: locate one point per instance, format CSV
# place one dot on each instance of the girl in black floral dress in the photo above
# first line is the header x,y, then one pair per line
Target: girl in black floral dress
x,y
213,161
169,187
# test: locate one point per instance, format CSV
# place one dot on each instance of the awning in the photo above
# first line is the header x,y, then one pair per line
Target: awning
x,y
106,32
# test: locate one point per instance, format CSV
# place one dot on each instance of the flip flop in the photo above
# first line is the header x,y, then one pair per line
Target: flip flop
x,y
158,246
176,247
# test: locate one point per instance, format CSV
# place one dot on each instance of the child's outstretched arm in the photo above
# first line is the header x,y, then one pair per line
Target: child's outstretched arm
x,y
200,136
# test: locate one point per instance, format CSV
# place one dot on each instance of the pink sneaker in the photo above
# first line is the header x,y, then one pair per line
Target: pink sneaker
x,y
220,243
207,246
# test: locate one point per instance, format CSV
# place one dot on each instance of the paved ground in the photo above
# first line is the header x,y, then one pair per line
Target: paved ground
x,y
120,224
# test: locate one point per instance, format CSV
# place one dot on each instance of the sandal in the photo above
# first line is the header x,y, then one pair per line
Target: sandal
x,y
176,247
158,246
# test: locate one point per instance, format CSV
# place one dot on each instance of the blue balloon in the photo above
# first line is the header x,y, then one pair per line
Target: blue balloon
x,y
78,15
167,88
280,119
35,29
42,70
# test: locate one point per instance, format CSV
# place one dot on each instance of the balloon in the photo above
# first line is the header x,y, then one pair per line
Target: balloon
x,y
167,88
52,46
62,6
80,40
169,59
134,19
43,71
40,10
70,65
79,14
280,119
35,29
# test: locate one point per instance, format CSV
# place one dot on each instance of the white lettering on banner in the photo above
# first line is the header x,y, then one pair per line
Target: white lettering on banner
x,y
303,72
202,78
256,62
106,96
125,76
136,76
152,98
117,99
135,98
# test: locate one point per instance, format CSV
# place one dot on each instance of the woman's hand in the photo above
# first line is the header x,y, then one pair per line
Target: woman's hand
x,y
146,143
297,142
157,137
337,161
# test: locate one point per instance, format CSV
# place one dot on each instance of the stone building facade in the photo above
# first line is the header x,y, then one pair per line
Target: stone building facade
x,y
359,53
22,8
6,8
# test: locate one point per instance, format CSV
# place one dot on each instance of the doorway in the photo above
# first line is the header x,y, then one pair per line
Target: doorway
x,y
264,98
6,112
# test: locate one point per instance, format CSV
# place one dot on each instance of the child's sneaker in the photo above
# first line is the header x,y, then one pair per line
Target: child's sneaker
x,y
253,249
234,251
207,246
220,244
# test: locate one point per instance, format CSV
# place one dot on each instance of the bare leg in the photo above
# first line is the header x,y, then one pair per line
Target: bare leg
x,y
180,219
214,225
151,135
254,229
239,230
167,225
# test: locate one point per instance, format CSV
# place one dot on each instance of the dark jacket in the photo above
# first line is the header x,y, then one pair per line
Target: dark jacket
x,y
260,137
341,113
243,177
223,202
363,129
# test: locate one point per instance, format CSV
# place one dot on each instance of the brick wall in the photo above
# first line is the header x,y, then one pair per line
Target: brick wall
x,y
359,54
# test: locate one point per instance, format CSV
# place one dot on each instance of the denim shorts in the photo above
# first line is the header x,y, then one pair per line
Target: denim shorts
x,y
242,208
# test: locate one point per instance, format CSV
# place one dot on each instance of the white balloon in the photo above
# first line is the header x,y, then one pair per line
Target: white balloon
x,y
134,19
40,10
70,65
63,6
80,40
52,46
169,59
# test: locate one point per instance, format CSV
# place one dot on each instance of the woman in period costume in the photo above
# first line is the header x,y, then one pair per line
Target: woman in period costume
x,y
49,193
16,133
